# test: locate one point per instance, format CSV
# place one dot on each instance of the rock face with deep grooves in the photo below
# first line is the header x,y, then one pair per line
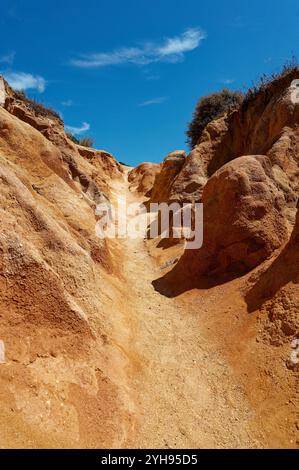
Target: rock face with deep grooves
x,y
91,355
56,388
191,179
243,220
172,165
275,291
142,178
265,124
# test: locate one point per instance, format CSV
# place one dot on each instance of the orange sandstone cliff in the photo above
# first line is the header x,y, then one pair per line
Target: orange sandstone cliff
x,y
140,343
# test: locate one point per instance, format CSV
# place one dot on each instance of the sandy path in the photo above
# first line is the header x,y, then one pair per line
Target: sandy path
x,y
184,390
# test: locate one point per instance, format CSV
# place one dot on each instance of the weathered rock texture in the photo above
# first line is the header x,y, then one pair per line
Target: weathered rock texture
x,y
164,180
57,388
142,178
90,173
245,171
193,176
274,290
2,92
94,356
265,124
243,220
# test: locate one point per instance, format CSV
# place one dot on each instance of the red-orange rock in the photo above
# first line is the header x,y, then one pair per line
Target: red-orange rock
x,y
171,167
142,177
274,291
243,219
265,124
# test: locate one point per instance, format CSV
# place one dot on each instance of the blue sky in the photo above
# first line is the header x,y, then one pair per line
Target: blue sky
x,y
129,73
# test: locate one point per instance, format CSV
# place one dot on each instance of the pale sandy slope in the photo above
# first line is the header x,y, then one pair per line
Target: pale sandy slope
x,y
197,377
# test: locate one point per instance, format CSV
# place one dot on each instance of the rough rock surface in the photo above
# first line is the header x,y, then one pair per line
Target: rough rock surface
x,y
243,220
274,291
172,165
2,92
89,173
94,356
190,181
266,124
57,388
142,177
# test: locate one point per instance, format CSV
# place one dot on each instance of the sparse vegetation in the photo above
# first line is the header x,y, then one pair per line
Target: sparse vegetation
x,y
208,108
86,142
215,105
72,138
38,108
265,80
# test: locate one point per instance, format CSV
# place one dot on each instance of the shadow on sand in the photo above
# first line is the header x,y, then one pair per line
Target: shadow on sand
x,y
176,281
284,269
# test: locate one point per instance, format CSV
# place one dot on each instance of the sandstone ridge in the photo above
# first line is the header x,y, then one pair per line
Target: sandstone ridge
x,y
134,342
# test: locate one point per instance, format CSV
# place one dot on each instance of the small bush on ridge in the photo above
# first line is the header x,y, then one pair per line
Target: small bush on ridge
x,y
72,138
209,108
86,142
38,108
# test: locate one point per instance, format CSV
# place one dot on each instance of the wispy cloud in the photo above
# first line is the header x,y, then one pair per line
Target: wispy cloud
x,y
78,130
25,81
169,50
67,103
8,58
227,81
157,100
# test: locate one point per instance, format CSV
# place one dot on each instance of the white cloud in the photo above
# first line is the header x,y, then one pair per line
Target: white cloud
x,y
227,81
78,130
170,50
8,58
25,81
187,41
67,103
158,100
